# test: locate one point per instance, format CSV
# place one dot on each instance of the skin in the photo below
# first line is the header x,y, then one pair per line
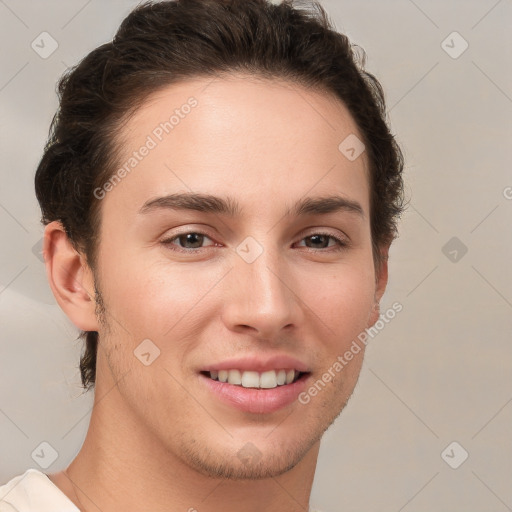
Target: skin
x,y
157,435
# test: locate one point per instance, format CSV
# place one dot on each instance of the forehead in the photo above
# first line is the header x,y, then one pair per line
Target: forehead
x,y
244,134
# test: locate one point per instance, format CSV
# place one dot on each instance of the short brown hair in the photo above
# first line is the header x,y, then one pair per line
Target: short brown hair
x,y
161,43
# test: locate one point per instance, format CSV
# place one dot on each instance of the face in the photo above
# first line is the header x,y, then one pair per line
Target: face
x,y
236,246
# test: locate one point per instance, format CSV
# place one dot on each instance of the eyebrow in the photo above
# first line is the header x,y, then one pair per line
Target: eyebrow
x,y
207,203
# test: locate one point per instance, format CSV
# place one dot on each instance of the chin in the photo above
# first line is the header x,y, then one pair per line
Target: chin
x,y
248,464
254,457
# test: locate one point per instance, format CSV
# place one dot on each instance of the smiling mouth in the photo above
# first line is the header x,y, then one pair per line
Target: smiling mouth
x,y
252,379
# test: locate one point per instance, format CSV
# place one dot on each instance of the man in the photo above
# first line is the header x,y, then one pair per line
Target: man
x,y
220,191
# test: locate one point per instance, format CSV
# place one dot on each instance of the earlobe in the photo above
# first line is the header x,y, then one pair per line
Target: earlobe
x,y
70,278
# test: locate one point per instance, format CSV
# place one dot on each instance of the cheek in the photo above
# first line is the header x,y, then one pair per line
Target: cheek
x,y
342,302
159,299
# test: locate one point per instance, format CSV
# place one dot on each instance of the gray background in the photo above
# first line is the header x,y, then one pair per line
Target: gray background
x,y
439,372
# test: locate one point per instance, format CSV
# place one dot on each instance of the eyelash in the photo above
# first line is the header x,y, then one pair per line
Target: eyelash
x,y
341,244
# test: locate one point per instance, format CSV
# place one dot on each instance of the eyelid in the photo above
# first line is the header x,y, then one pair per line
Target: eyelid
x,y
340,242
168,240
336,234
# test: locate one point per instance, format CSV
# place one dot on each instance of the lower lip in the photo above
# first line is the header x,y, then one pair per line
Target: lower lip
x,y
255,400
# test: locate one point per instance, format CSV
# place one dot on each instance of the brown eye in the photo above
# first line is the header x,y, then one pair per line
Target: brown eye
x,y
318,241
187,241
322,241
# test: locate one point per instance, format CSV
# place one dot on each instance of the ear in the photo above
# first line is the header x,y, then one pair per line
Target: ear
x,y
70,278
381,281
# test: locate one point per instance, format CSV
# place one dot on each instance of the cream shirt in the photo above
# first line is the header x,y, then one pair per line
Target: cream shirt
x,y
33,491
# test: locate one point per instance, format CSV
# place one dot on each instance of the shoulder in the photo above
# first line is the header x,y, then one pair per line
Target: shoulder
x,y
33,491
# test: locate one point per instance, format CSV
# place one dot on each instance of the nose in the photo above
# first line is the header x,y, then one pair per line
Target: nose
x,y
260,297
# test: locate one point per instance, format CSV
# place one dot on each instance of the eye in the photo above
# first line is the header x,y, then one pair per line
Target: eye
x,y
190,241
187,241
322,241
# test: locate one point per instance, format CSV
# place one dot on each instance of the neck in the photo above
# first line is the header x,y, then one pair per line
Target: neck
x,y
122,465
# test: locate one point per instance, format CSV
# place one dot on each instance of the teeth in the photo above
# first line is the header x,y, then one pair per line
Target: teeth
x,y
269,379
234,377
249,379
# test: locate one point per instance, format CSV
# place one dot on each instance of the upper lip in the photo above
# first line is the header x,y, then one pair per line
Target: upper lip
x,y
259,364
